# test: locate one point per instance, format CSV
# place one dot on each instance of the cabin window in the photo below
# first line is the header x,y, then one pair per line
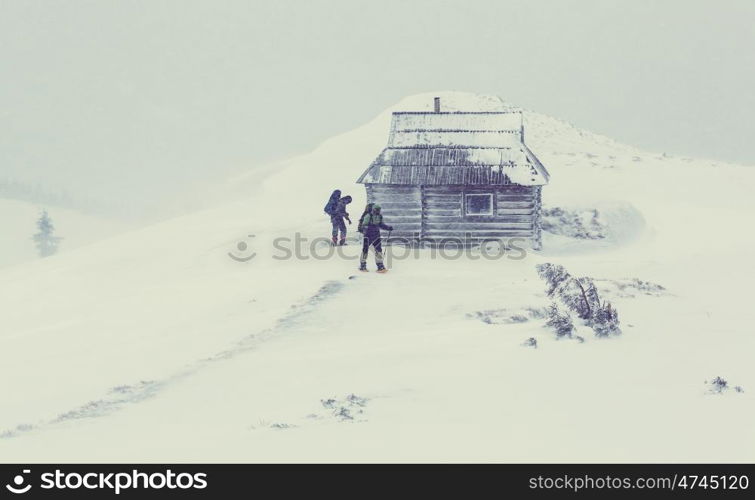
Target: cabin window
x,y
479,204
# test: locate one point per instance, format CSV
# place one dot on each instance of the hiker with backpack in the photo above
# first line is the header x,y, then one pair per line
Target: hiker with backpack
x,y
336,208
370,225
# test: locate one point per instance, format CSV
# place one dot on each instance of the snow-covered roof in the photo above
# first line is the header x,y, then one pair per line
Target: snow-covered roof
x,y
456,147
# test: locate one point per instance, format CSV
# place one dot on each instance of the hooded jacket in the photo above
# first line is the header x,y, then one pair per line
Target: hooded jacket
x,y
340,208
372,221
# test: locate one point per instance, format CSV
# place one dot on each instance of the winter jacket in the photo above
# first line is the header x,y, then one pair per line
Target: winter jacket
x,y
340,209
372,222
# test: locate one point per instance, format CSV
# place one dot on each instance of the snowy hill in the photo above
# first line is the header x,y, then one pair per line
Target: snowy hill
x,y
18,219
156,345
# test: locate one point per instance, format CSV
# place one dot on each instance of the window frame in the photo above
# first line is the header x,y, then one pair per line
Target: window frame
x,y
491,197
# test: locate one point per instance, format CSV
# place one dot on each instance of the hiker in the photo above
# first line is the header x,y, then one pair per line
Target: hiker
x,y
336,219
370,225
330,209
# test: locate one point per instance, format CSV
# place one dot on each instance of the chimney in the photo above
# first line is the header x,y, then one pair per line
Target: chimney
x,y
437,104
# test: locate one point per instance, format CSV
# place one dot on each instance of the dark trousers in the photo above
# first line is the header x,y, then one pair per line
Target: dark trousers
x,y
374,240
338,225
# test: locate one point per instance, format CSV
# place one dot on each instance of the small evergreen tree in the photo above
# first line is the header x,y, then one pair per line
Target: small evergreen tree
x,y
560,321
580,296
605,321
46,241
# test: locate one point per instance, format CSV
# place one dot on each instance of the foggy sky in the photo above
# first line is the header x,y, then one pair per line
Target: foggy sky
x,y
133,100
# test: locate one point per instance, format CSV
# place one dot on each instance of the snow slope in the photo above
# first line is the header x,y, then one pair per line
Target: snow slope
x,y
156,345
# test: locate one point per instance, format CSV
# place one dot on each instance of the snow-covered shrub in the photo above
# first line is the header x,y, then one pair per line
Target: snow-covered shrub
x,y
632,287
580,296
554,276
505,316
345,409
560,321
719,386
355,400
329,403
343,413
605,321
582,224
530,342
281,425
646,287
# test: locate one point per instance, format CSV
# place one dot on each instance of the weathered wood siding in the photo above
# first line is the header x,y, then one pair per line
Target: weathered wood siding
x,y
434,213
513,213
401,206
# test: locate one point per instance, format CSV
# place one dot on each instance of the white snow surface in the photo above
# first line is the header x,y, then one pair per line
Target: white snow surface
x,y
155,345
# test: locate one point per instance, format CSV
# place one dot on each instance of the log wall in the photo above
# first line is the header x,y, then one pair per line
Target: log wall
x,y
435,213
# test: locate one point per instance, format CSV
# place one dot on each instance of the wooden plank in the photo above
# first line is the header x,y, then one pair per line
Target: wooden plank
x,y
393,221
461,226
477,234
397,194
400,208
516,204
443,211
401,205
516,218
446,201
504,212
516,199
381,199
516,189
403,217
443,219
403,196
514,194
444,207
394,188
430,190
406,214
443,197
382,186
491,220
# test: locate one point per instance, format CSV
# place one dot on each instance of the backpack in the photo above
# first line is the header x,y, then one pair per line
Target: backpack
x,y
367,210
330,206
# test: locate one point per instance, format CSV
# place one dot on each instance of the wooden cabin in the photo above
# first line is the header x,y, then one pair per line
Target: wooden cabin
x,y
458,176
